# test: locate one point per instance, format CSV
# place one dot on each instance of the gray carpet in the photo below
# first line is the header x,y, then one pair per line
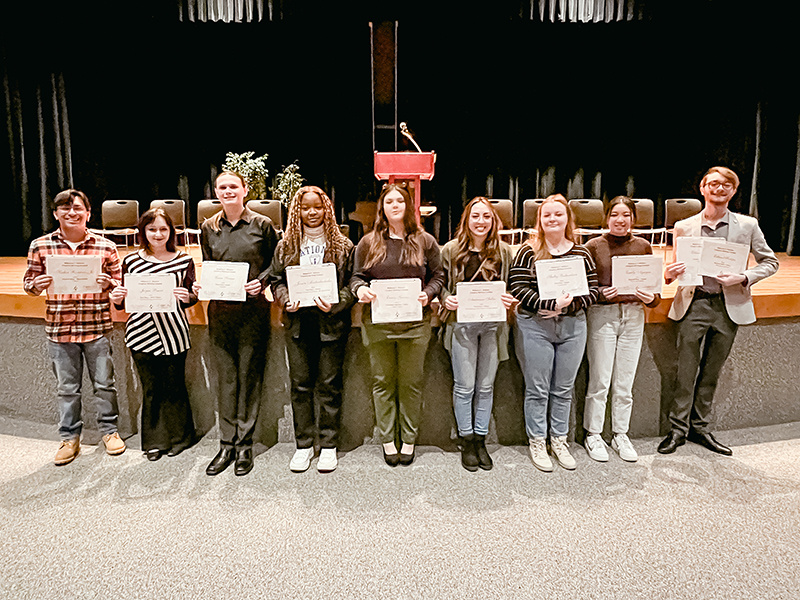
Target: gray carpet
x,y
691,525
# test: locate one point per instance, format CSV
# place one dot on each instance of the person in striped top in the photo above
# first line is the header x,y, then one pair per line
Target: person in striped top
x,y
76,324
159,341
550,333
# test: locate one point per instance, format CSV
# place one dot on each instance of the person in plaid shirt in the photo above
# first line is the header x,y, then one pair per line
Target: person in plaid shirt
x,y
76,324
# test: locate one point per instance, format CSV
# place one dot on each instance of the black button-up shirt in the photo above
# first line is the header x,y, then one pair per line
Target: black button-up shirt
x,y
720,230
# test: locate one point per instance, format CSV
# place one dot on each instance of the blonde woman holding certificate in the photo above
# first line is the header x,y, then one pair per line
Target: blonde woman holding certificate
x,y
397,249
550,334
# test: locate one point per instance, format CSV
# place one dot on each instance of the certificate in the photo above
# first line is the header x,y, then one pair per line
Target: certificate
x,y
307,282
222,280
723,257
479,301
559,276
150,292
688,251
629,273
397,300
74,274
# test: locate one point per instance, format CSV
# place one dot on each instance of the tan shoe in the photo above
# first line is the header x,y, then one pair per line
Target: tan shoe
x,y
67,451
114,444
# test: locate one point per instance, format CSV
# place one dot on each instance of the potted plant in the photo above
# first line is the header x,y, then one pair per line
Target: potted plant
x,y
253,171
286,183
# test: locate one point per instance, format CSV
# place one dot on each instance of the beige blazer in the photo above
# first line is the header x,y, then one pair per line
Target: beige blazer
x,y
738,301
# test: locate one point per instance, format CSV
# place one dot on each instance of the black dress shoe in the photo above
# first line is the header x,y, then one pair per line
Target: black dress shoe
x,y
708,441
407,459
153,454
670,443
175,450
391,459
221,461
244,461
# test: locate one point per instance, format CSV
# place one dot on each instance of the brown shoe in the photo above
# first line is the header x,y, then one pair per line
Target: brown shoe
x,y
114,444
67,451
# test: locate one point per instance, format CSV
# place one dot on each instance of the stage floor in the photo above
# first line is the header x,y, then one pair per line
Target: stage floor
x,y
776,296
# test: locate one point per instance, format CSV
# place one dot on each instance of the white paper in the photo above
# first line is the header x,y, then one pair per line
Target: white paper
x,y
688,251
643,272
222,280
150,292
397,300
479,301
307,282
74,273
723,258
559,276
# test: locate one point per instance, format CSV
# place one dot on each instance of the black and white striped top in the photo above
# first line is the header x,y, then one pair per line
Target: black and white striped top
x,y
160,333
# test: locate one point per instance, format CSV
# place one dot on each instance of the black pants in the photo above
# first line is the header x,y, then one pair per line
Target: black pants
x,y
166,413
316,366
238,332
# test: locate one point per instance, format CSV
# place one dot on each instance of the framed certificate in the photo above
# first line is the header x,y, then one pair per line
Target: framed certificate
x,y
479,301
558,276
150,292
74,274
629,273
397,300
307,282
222,280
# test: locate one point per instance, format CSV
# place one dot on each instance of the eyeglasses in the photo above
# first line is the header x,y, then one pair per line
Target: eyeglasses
x,y
725,185
65,208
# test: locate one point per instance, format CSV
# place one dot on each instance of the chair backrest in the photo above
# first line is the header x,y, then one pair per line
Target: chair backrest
x,y
505,210
272,209
589,213
207,209
645,213
530,211
677,209
176,209
365,213
119,213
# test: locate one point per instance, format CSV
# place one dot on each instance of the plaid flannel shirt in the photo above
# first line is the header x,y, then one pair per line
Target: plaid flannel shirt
x,y
74,318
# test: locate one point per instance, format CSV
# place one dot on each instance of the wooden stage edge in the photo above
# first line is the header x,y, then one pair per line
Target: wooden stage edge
x,y
776,296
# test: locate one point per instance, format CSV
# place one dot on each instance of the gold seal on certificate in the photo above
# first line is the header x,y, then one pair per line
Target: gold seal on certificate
x,y
307,282
397,300
222,280
558,276
642,272
480,302
74,274
150,292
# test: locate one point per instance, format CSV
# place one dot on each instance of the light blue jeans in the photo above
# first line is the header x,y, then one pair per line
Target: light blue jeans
x,y
68,361
475,360
550,352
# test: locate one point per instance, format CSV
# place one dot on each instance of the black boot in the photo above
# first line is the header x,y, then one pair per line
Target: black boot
x,y
469,460
484,460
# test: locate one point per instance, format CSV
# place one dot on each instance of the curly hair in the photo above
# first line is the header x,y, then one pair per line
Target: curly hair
x,y
489,254
412,252
540,251
336,244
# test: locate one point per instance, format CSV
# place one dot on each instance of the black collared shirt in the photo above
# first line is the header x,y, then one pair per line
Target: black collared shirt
x,y
720,230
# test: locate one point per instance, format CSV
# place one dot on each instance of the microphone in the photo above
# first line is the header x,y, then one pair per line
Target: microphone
x,y
404,130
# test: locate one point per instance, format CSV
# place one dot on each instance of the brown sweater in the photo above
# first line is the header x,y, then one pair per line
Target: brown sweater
x,y
606,246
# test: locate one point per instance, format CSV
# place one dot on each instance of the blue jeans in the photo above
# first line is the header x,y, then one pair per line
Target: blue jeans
x,y
475,361
550,352
68,366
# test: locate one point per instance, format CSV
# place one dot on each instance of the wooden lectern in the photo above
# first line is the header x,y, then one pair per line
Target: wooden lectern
x,y
405,165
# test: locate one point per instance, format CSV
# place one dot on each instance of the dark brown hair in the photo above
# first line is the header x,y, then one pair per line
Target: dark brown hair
x,y
412,253
621,200
67,197
149,217
489,254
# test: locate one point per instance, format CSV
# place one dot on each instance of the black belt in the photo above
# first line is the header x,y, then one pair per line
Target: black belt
x,y
699,294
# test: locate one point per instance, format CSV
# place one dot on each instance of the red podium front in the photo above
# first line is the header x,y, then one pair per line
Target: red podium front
x,y
406,165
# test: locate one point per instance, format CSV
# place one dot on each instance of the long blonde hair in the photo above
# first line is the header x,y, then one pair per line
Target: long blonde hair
x,y
336,244
490,253
537,242
412,253
213,222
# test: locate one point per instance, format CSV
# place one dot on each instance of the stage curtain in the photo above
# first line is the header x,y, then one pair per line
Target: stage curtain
x,y
227,11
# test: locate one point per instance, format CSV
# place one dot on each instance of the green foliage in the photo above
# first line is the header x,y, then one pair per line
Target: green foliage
x,y
253,171
286,183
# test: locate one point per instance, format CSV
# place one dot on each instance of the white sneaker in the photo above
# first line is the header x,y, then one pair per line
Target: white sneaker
x,y
624,448
561,450
541,460
595,447
327,460
301,459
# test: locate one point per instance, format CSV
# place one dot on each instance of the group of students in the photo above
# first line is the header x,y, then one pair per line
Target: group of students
x,y
551,335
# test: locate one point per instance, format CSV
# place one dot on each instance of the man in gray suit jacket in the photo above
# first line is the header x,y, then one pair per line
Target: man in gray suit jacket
x,y
708,315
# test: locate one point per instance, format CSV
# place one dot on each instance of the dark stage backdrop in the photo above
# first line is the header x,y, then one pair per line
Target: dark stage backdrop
x,y
131,102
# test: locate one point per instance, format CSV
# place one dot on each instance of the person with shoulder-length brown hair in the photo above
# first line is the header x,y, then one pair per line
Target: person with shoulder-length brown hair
x,y
316,336
397,248
550,334
238,331
476,349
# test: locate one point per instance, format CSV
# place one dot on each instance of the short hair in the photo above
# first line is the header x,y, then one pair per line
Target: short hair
x,y
67,197
621,200
727,173
146,219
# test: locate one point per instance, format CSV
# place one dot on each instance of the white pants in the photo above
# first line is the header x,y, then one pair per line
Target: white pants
x,y
613,344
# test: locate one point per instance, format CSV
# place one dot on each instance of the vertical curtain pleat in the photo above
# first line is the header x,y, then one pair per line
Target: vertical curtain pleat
x,y
756,166
792,247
